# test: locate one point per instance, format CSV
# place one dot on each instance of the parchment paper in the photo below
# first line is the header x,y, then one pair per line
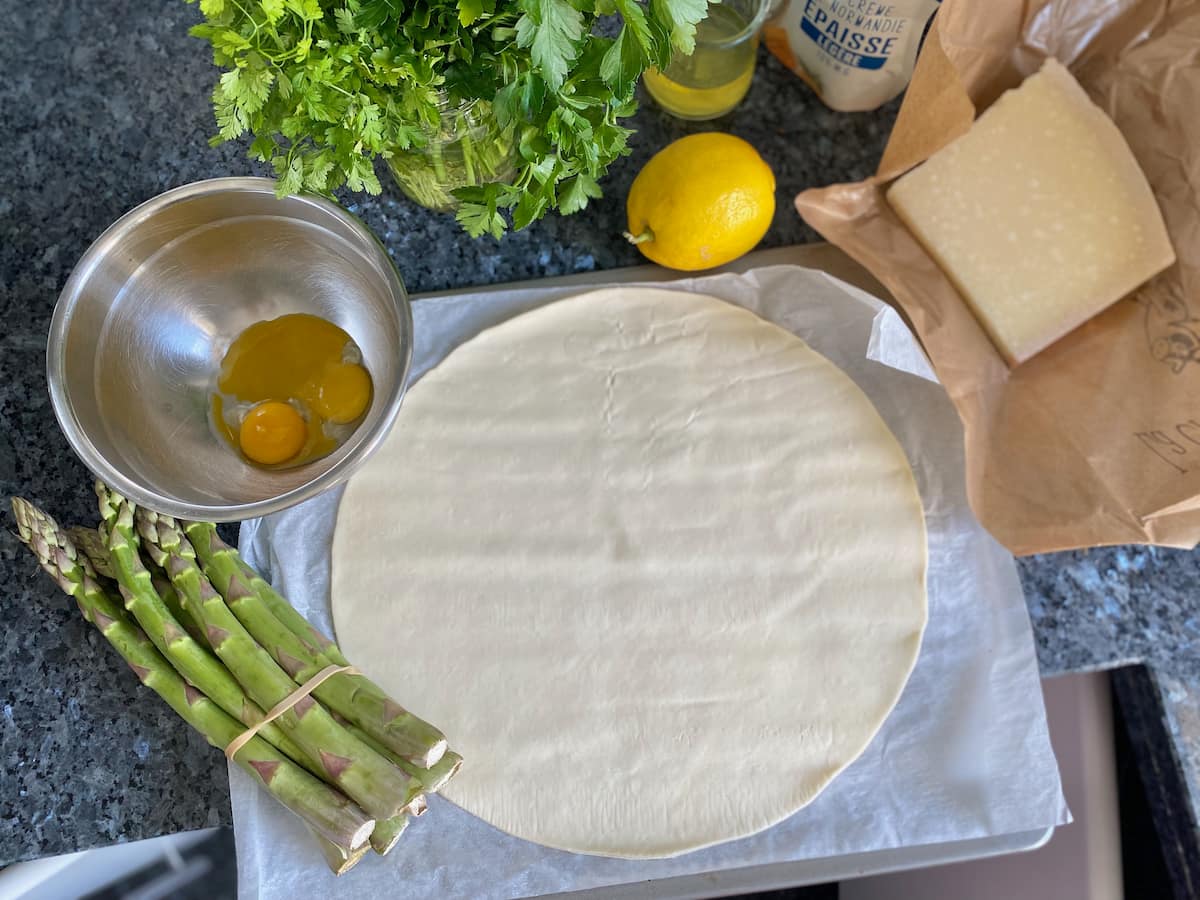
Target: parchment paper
x,y
1095,440
965,754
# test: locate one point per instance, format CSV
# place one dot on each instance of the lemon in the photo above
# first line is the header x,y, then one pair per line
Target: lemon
x,y
701,202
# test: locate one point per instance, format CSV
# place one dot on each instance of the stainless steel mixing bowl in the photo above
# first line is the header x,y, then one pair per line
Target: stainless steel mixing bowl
x,y
143,323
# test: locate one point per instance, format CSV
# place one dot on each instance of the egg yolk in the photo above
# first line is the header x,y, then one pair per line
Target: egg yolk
x,y
342,393
272,433
303,382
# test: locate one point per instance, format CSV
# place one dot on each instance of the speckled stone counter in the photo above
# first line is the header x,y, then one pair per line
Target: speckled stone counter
x,y
106,104
1094,609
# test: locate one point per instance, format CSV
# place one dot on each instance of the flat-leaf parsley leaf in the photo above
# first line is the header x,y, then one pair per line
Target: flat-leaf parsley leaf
x,y
325,87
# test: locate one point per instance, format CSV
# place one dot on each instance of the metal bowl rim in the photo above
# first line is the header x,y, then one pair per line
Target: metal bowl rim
x,y
64,410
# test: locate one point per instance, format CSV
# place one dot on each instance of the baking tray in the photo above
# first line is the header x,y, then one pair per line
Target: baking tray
x,y
730,882
825,257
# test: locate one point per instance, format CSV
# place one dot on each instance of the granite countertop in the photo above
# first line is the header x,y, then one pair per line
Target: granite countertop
x,y
107,105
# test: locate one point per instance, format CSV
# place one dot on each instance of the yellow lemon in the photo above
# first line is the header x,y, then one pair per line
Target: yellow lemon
x,y
700,202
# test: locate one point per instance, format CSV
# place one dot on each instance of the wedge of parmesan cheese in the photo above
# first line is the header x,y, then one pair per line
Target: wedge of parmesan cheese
x,y
1039,214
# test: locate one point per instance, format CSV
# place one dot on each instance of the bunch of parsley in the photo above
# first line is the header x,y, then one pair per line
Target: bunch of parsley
x,y
326,86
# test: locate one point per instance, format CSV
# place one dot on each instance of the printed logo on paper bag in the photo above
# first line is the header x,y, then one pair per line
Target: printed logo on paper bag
x,y
1173,339
861,34
1172,331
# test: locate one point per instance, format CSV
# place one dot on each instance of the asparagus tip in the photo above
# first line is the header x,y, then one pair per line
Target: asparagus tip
x,y
20,508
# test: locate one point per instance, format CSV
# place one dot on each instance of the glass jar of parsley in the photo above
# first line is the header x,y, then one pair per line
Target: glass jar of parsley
x,y
467,148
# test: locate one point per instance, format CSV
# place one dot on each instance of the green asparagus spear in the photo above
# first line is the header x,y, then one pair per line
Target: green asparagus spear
x,y
436,776
339,860
163,587
432,779
269,617
192,660
353,697
415,809
387,833
161,538
155,560
328,813
372,781
89,542
382,838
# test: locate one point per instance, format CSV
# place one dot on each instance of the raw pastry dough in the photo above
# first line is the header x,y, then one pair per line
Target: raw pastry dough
x,y
655,566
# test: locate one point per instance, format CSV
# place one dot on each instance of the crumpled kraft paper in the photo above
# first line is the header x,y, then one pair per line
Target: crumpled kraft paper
x,y
1095,440
965,753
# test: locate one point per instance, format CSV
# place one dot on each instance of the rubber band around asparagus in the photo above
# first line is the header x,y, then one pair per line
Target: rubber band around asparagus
x,y
284,705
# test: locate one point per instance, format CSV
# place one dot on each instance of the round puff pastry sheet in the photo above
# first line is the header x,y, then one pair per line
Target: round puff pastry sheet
x,y
655,567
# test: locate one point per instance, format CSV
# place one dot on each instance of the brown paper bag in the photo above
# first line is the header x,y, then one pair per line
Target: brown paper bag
x,y
1096,440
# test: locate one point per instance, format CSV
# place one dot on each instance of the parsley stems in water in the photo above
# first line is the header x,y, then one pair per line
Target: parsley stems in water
x,y
468,149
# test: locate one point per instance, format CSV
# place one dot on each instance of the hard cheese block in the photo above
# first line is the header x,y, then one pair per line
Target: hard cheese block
x,y
1039,214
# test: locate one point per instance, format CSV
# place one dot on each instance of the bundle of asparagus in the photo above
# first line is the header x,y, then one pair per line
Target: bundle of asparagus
x,y
210,636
